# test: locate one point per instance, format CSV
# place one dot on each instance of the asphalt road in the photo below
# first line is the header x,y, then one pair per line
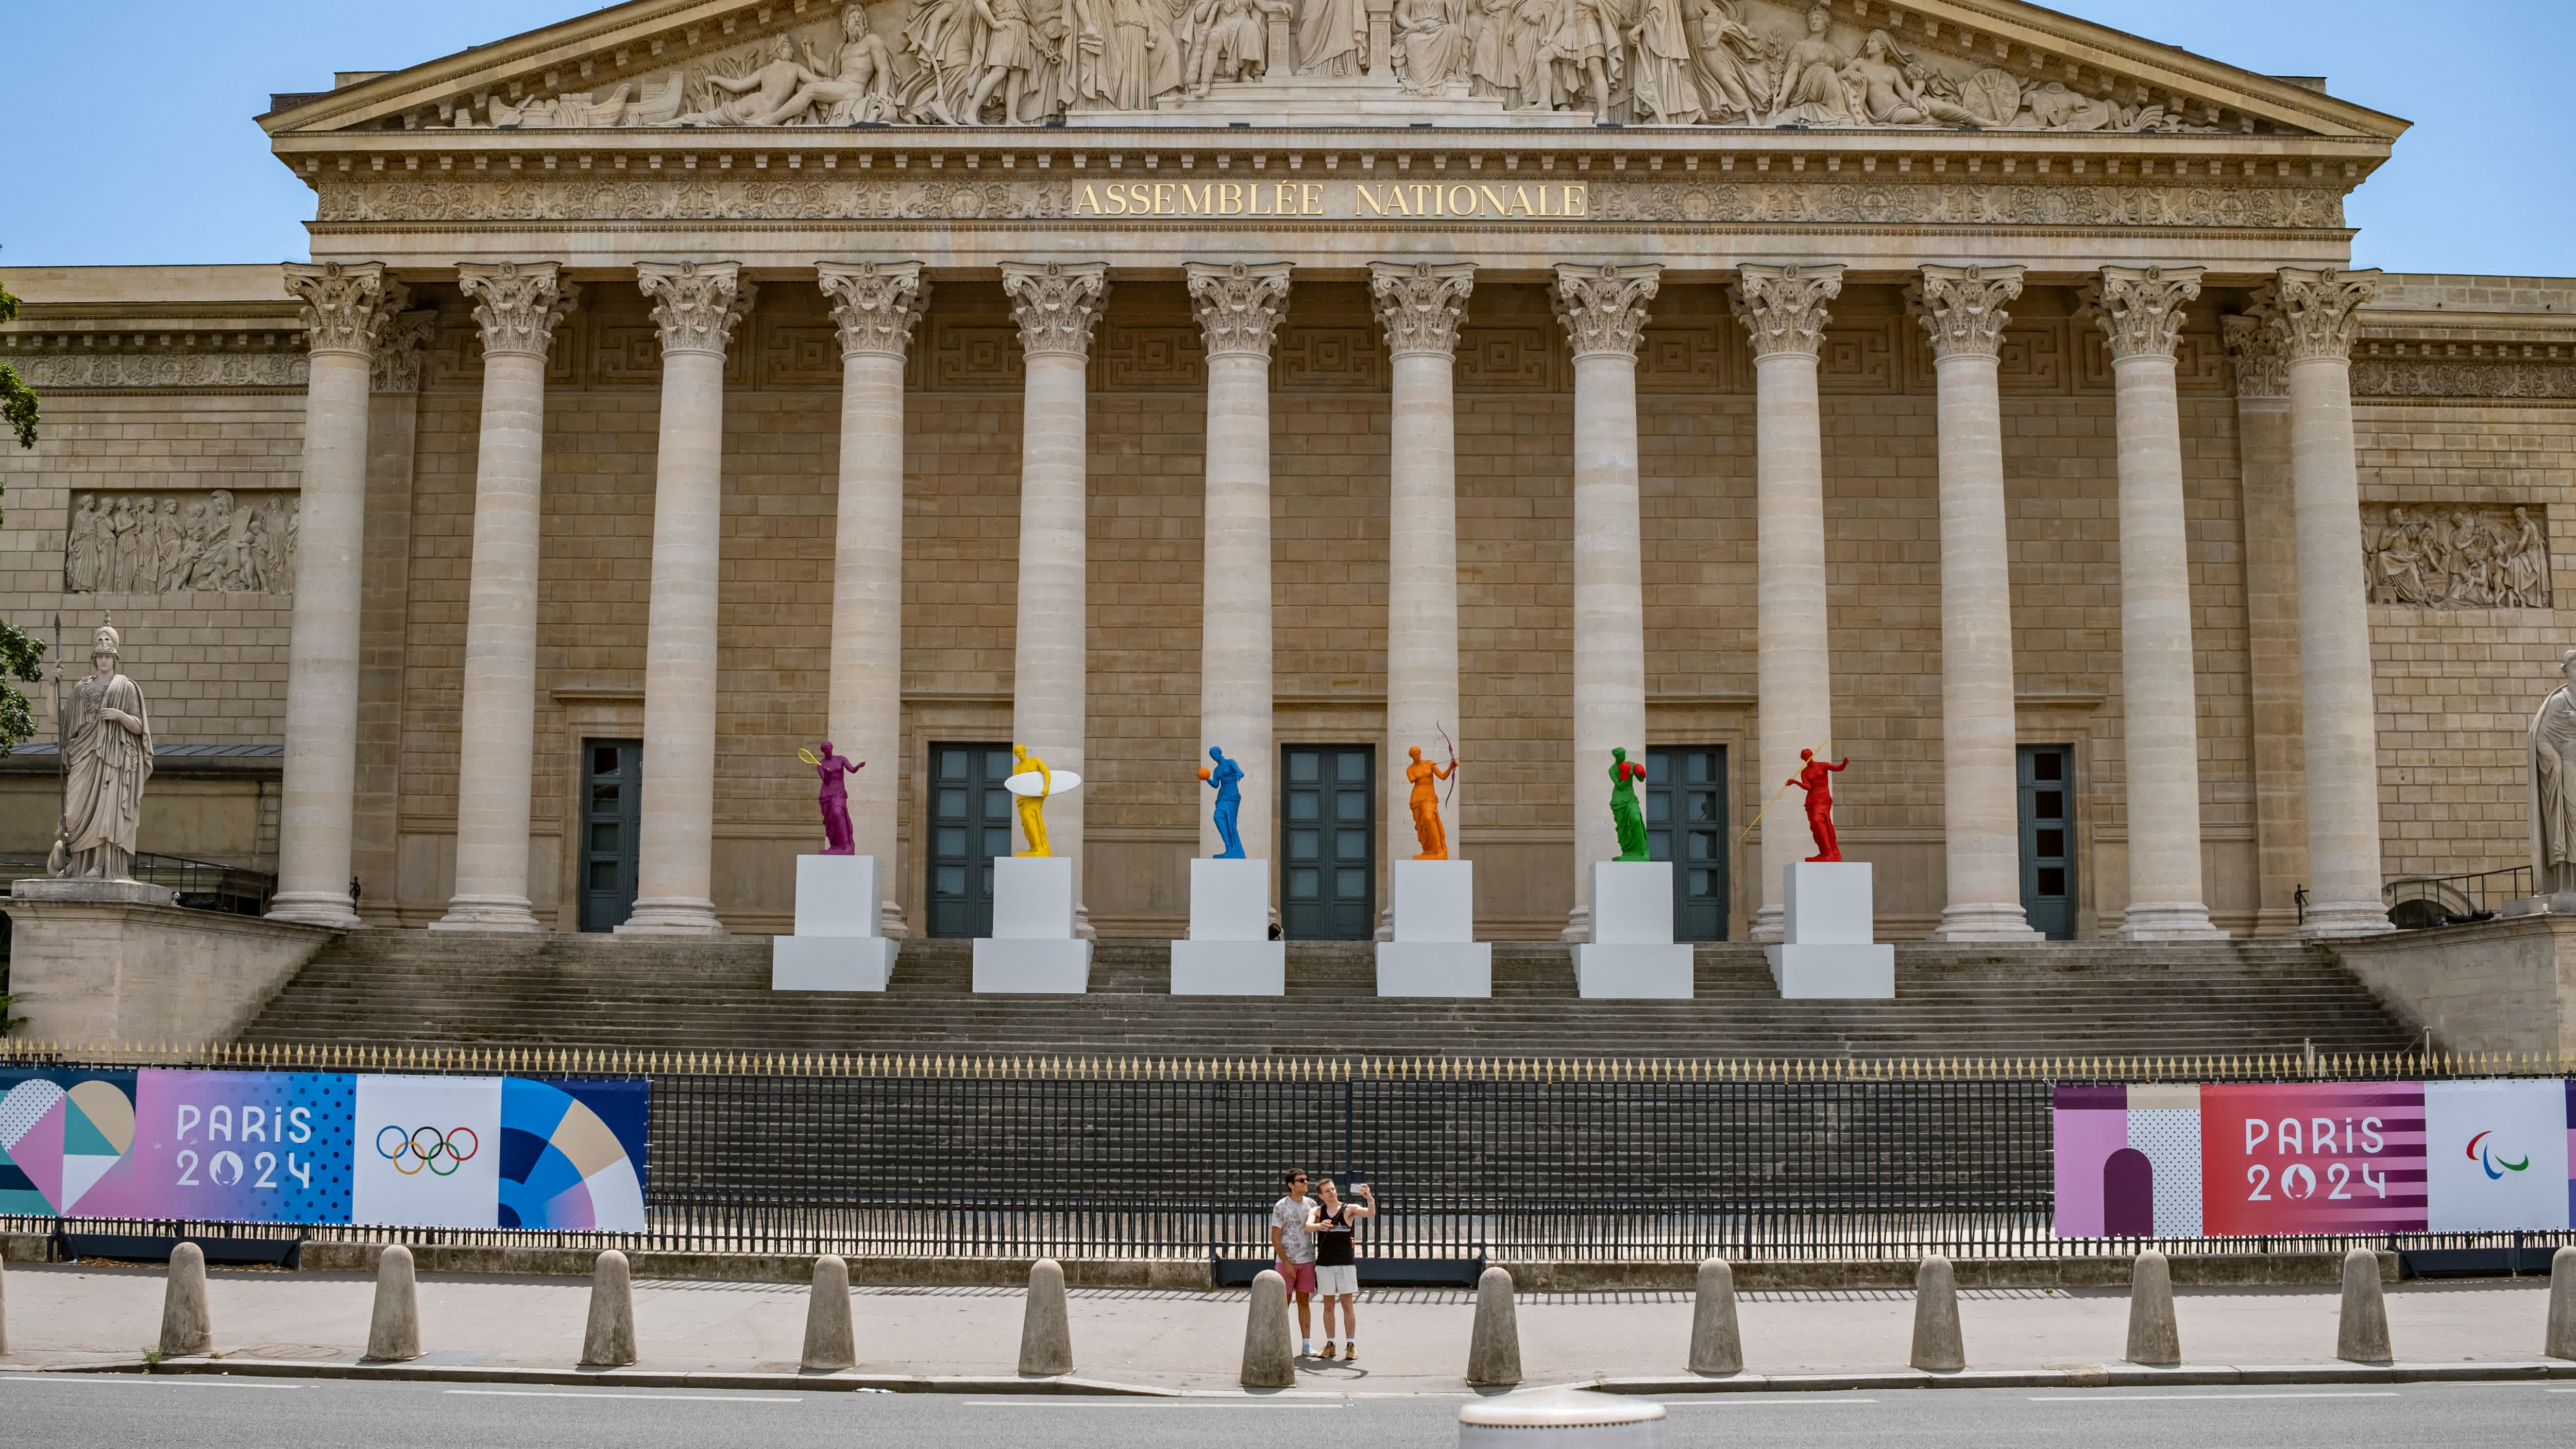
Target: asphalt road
x,y
61,1411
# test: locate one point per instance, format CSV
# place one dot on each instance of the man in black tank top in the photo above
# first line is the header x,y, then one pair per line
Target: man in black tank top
x,y
1336,1264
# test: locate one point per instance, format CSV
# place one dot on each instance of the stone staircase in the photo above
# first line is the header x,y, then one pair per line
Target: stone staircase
x,y
2084,998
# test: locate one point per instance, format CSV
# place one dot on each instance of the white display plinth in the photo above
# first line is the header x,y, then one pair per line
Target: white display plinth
x,y
1826,952
1435,952
1632,954
1229,951
1032,949
838,945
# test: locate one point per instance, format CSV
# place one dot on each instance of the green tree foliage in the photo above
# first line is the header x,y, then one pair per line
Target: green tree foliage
x,y
20,657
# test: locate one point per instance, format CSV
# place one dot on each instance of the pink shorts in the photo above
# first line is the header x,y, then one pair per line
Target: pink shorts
x,y
1300,1277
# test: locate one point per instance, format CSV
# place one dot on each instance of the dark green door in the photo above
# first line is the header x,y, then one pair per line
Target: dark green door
x,y
2048,839
1686,824
1327,823
970,823
612,816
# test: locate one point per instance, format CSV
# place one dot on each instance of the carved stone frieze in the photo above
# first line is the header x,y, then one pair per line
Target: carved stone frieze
x,y
2400,377
1603,309
1239,305
1056,305
2140,309
2315,313
1880,201
400,354
1420,304
1783,308
167,543
876,304
347,305
2458,557
695,304
1963,307
517,304
61,368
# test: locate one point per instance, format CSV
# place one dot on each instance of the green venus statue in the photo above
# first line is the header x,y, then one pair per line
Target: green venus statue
x,y
1631,821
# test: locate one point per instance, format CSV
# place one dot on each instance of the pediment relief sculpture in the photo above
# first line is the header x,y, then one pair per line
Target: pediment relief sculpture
x,y
1751,63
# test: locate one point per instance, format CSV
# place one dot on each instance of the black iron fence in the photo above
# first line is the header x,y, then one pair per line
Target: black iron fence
x,y
1650,1160
2417,902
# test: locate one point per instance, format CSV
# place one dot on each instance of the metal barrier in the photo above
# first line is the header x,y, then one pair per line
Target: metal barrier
x,y
1652,1160
201,884
2418,902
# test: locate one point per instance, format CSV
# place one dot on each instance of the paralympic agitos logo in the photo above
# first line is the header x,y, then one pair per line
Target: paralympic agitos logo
x,y
2486,1158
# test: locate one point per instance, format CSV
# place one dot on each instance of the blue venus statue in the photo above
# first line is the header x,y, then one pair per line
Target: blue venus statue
x,y
1225,777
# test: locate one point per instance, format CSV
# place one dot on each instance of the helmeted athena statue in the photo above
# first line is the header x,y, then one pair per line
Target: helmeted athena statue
x,y
107,755
2553,786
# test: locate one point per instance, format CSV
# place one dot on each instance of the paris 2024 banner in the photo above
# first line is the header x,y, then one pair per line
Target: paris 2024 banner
x,y
2326,1158
323,1147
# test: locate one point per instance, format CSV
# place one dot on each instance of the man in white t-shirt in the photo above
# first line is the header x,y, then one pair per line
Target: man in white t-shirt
x,y
1292,1247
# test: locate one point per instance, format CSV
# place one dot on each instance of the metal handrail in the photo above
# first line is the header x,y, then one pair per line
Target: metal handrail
x,y
2419,902
201,884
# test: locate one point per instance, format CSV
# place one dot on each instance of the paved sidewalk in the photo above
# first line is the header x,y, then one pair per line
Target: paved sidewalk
x,y
1414,1341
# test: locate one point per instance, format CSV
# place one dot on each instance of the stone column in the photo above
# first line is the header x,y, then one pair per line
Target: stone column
x,y
876,306
393,438
517,305
2313,314
347,307
2271,622
1420,305
1056,305
695,304
2142,312
1963,309
1603,310
1784,310
1239,309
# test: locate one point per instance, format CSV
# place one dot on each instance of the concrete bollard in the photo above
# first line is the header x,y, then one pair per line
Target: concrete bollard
x,y
4,1305
1494,1351
2155,1340
1938,1348
831,1343
2561,1340
1269,1354
393,1335
1046,1334
187,1329
609,1339
1716,1346
2363,1336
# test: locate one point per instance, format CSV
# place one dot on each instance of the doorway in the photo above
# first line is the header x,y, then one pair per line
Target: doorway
x,y
2048,839
1327,828
970,823
612,823
1686,824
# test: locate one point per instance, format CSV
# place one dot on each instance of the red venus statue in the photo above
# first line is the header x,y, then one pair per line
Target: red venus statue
x,y
1811,777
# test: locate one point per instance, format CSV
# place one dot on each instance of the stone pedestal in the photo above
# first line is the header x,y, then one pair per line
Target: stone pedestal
x,y
1435,952
111,961
1229,951
1632,954
1032,949
839,943
1829,917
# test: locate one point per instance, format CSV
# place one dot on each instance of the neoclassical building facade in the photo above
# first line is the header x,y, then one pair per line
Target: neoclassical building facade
x,y
1953,385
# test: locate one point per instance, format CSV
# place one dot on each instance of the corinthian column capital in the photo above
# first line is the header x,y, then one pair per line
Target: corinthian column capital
x,y
1784,307
1056,304
2313,314
1603,308
1963,307
2140,310
517,303
347,305
696,304
398,352
875,303
1239,305
1420,304
2262,364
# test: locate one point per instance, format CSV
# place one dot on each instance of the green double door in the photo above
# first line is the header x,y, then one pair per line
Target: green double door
x,y
1328,842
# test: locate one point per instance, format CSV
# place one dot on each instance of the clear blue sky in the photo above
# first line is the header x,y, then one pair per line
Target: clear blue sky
x,y
130,138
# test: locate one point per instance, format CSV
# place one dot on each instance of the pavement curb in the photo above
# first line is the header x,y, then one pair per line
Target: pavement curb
x,y
633,1378
2105,1376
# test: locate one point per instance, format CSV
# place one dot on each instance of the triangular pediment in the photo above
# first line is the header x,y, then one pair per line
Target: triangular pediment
x,y
1855,64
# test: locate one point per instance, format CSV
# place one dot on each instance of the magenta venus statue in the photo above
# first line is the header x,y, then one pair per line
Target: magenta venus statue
x,y
834,797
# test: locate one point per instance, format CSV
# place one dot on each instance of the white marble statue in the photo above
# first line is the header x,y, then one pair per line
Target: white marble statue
x,y
2553,786
107,754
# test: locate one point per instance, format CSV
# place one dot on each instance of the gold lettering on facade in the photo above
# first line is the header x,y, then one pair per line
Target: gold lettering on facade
x,y
1295,198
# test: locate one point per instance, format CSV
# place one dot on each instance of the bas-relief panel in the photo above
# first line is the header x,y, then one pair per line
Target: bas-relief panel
x,y
2457,558
2408,378
64,369
169,543
1027,62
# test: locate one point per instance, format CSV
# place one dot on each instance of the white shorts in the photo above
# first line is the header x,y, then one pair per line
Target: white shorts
x,y
1335,1281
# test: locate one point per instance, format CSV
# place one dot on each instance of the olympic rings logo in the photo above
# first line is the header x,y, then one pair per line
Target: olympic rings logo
x,y
427,1147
